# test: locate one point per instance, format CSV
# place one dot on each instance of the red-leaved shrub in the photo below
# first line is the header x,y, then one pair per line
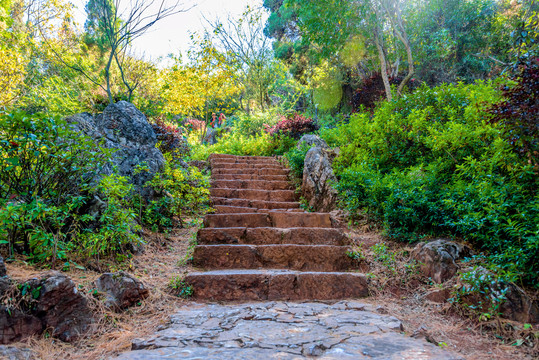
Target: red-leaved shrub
x,y
293,125
519,112
170,137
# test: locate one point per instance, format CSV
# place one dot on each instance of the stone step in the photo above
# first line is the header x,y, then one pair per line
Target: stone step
x,y
324,258
223,209
271,219
220,165
253,285
251,184
213,157
258,204
250,194
251,171
249,177
245,161
268,236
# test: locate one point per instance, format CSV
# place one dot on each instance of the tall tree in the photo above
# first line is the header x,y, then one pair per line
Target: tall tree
x,y
113,25
248,51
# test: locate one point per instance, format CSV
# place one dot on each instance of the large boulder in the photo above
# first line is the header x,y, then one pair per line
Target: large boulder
x,y
318,177
50,302
123,128
437,259
15,353
211,136
514,303
122,290
60,306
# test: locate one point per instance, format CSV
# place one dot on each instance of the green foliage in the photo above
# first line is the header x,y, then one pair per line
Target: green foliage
x,y
296,159
180,288
235,143
256,122
432,164
45,169
182,191
116,228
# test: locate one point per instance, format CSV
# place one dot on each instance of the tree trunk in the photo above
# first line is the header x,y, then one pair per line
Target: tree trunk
x,y
383,65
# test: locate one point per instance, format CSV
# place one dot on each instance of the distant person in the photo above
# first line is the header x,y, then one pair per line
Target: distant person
x,y
222,119
214,120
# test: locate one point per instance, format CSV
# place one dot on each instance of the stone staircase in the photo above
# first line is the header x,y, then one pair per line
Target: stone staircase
x,y
261,246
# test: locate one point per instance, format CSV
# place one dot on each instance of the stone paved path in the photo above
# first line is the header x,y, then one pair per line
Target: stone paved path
x,y
261,246
282,330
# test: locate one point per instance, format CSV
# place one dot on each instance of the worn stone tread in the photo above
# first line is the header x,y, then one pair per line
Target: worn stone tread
x,y
323,258
251,184
231,166
215,176
259,204
253,194
268,235
251,171
263,284
223,209
269,219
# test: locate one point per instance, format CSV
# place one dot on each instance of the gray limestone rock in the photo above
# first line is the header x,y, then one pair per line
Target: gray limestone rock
x,y
312,140
318,179
124,129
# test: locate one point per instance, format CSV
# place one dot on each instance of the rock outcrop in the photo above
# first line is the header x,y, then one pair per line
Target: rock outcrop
x,y
15,353
51,302
514,303
122,290
437,259
318,177
60,306
124,129
312,141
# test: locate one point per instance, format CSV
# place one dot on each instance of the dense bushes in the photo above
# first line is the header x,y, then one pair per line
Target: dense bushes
x,y
45,171
432,164
235,143
54,206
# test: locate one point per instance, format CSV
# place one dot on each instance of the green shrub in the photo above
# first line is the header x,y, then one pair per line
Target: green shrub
x,y
116,228
296,159
181,192
45,170
261,144
254,123
431,164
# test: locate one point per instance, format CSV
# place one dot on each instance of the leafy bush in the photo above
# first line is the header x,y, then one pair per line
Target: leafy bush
x,y
254,123
116,227
432,164
45,170
294,125
296,159
181,192
235,143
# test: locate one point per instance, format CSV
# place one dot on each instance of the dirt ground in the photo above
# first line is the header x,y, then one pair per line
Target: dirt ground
x,y
163,260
